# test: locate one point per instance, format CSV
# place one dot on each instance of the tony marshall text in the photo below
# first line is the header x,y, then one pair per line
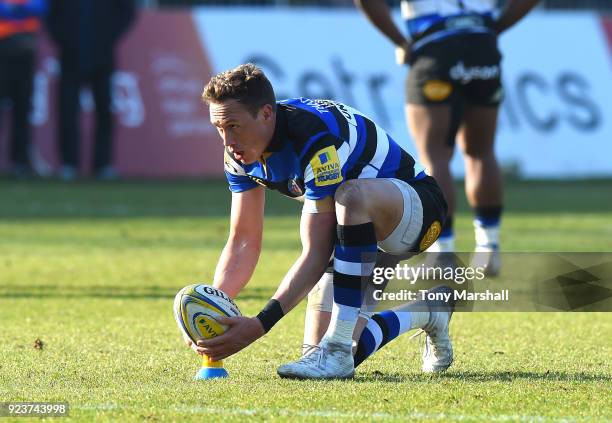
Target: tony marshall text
x,y
422,294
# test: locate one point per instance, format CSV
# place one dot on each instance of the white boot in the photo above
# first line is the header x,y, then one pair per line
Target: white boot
x,y
329,360
438,353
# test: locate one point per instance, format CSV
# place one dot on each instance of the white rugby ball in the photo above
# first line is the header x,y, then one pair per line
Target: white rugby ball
x,y
196,308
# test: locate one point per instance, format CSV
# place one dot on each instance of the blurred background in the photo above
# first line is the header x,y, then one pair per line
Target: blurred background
x,y
555,122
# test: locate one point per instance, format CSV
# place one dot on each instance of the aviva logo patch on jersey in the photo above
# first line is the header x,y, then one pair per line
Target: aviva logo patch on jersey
x,y
326,167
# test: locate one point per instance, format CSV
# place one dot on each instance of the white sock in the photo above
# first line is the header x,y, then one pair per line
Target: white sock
x,y
418,319
342,324
487,237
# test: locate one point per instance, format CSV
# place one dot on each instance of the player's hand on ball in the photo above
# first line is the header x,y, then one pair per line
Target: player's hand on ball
x,y
241,332
189,343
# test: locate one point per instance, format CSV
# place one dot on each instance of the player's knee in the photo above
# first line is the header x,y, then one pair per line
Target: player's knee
x,y
438,163
440,152
479,153
350,195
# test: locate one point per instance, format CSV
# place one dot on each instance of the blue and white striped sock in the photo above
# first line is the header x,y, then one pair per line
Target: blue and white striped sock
x,y
354,260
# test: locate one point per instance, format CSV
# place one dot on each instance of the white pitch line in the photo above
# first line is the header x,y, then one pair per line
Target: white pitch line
x,y
334,414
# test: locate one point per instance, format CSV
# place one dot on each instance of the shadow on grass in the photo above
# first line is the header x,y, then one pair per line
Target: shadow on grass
x,y
508,376
116,292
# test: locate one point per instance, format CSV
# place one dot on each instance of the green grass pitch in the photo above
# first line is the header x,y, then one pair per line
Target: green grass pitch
x,y
91,270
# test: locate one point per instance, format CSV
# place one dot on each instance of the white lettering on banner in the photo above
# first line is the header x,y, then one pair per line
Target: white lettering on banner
x,y
163,63
187,127
127,99
338,84
176,85
172,106
40,100
569,95
180,96
555,121
40,106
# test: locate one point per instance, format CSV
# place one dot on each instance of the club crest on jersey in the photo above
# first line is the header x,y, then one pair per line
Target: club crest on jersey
x,y
326,167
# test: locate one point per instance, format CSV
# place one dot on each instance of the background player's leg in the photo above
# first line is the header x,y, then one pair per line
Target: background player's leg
x,y
483,182
430,127
483,185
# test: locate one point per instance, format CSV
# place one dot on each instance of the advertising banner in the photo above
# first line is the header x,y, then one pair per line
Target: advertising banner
x,y
555,121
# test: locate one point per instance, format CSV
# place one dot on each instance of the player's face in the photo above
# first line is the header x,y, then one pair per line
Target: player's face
x,y
245,136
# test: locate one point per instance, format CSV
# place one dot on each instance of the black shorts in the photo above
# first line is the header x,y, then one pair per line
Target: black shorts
x,y
463,67
435,211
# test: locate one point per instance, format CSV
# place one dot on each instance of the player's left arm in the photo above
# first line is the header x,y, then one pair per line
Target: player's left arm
x,y
513,12
317,231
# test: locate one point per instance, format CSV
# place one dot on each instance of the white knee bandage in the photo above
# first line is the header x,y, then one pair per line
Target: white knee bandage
x,y
321,297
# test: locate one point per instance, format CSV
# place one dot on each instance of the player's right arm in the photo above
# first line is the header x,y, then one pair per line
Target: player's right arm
x,y
378,12
317,231
241,252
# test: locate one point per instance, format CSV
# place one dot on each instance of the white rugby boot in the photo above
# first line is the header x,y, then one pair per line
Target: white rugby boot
x,y
438,352
328,360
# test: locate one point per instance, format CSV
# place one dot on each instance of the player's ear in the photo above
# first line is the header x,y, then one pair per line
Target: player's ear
x,y
267,111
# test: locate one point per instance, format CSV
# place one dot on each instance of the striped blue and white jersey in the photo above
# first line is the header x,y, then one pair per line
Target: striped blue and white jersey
x,y
433,20
317,145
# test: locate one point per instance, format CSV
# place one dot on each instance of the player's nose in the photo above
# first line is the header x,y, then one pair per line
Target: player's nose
x,y
228,140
